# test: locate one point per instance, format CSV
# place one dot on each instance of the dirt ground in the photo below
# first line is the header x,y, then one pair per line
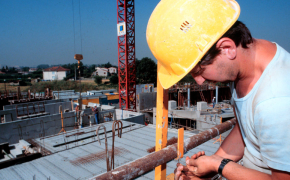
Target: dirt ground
x,y
12,88
91,81
86,81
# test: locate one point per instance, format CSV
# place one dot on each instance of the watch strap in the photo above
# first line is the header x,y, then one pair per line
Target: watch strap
x,y
222,165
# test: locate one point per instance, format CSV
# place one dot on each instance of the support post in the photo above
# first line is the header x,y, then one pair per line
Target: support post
x,y
180,143
29,94
188,98
62,126
220,138
5,85
161,127
216,94
18,93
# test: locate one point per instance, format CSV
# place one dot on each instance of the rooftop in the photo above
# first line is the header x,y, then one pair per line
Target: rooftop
x,y
56,68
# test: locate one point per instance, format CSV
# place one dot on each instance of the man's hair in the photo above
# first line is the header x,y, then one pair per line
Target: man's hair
x,y
239,33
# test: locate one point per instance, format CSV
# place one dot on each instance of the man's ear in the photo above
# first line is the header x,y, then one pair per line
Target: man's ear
x,y
227,47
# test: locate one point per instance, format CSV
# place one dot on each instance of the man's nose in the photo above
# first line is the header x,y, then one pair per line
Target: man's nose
x,y
199,79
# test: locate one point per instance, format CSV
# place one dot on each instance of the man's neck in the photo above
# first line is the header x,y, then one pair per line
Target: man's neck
x,y
252,62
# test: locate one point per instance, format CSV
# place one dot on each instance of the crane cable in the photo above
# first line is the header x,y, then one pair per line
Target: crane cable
x,y
74,26
74,31
81,27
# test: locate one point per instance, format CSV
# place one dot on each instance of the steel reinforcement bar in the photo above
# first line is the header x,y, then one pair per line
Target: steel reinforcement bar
x,y
140,166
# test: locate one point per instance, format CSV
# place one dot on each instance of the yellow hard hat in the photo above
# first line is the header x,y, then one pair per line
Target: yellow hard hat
x,y
180,32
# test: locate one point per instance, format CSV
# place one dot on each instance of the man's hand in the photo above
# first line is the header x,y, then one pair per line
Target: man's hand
x,y
186,172
195,156
201,165
183,173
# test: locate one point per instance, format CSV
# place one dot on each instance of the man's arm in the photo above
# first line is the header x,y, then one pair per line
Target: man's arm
x,y
233,146
236,171
206,164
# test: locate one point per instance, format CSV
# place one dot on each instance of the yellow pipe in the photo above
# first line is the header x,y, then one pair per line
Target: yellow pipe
x,y
161,126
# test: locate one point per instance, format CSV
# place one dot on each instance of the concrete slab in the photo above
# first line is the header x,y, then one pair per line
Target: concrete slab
x,y
9,115
32,128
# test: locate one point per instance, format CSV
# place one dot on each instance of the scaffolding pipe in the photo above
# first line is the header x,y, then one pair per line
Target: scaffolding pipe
x,y
216,94
141,166
188,98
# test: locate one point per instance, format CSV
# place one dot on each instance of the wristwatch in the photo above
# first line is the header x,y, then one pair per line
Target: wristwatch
x,y
222,165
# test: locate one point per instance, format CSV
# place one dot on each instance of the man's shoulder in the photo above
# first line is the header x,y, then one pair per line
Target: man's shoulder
x,y
274,83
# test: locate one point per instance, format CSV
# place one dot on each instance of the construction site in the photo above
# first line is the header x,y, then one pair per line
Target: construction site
x,y
146,130
42,136
56,135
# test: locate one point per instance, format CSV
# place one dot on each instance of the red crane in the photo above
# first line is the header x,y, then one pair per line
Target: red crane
x,y
126,54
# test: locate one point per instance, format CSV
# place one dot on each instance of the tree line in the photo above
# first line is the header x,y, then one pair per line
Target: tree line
x,y
146,72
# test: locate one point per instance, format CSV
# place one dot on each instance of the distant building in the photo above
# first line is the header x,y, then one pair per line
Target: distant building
x,y
32,70
101,72
23,72
55,73
113,70
17,68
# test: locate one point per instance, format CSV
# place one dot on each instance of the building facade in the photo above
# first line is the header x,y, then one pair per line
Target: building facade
x,y
32,70
113,70
101,72
55,73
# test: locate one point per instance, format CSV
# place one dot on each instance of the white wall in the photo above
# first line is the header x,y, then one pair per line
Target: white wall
x,y
61,75
113,70
54,75
102,73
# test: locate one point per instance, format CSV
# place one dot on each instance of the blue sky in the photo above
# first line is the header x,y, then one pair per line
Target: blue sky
x,y
34,32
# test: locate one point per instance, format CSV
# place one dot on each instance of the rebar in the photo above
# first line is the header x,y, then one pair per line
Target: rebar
x,y
20,131
115,123
106,144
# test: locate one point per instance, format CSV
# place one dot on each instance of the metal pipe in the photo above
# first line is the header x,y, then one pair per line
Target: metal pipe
x,y
149,162
188,98
216,94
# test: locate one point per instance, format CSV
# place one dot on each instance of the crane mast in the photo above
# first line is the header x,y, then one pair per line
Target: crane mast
x,y
126,54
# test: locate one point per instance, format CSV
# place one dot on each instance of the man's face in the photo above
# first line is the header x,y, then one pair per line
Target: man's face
x,y
221,70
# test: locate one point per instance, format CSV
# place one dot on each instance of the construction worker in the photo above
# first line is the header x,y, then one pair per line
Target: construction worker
x,y
204,38
96,113
77,113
